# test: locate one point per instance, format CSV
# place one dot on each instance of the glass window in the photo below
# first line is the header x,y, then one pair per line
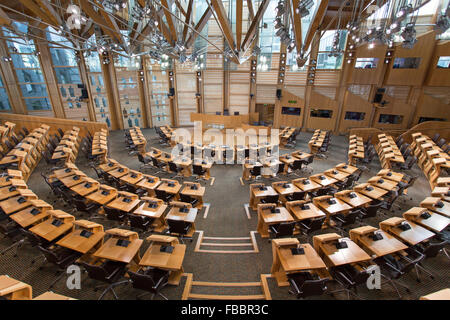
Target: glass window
x,y
4,99
390,119
291,111
37,104
25,61
33,90
366,63
423,119
325,58
444,62
63,57
321,113
324,61
66,75
357,116
30,75
406,63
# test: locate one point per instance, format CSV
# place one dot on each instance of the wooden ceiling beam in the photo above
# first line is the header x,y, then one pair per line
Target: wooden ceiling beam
x,y
239,8
315,24
224,23
254,25
180,7
4,18
96,17
251,11
39,13
188,19
168,14
199,27
296,24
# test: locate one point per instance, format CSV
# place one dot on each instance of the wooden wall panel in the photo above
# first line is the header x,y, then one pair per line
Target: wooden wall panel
x,y
368,76
439,76
239,89
266,93
354,103
412,77
31,122
186,89
430,107
213,91
319,101
394,107
288,100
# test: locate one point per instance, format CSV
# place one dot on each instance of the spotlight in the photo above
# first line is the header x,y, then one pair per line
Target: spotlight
x,y
303,8
442,24
280,8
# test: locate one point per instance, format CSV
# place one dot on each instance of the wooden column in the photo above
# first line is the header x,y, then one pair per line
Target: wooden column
x,y
10,82
142,95
173,99
85,79
148,105
252,87
45,60
110,82
199,88
309,87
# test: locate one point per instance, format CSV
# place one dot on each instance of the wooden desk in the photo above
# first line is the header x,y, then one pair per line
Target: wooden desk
x,y
26,218
88,186
77,242
13,289
435,222
156,213
413,236
196,191
185,164
346,168
302,210
374,192
12,205
65,172
256,193
73,180
149,183
358,199
173,262
49,231
267,218
164,186
336,174
118,172
441,192
110,165
285,262
306,184
443,294
386,184
431,203
111,251
52,296
132,177
390,175
323,179
175,214
334,257
331,209
103,195
121,204
388,245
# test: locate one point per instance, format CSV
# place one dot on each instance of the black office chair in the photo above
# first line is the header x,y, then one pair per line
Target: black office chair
x,y
145,161
296,165
255,172
101,174
25,131
61,258
115,215
109,272
198,171
140,222
436,137
11,230
433,247
270,199
163,195
308,226
343,220
407,165
441,142
48,158
90,208
306,284
158,164
280,230
151,281
175,169
299,195
188,199
179,228
371,210
349,278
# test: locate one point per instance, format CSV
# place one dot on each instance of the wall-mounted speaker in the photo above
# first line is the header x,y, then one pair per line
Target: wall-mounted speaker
x,y
278,94
171,92
84,94
378,97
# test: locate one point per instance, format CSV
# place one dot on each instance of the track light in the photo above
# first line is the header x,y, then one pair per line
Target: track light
x,y
303,8
277,23
280,9
442,24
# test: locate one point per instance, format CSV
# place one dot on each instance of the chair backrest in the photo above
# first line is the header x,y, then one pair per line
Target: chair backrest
x,y
441,142
155,162
256,171
114,214
280,168
299,195
350,218
96,272
178,226
198,170
297,165
61,132
314,287
139,222
26,131
143,281
433,248
436,137
51,256
271,199
161,194
285,229
33,239
372,209
410,162
185,198
315,224
173,167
